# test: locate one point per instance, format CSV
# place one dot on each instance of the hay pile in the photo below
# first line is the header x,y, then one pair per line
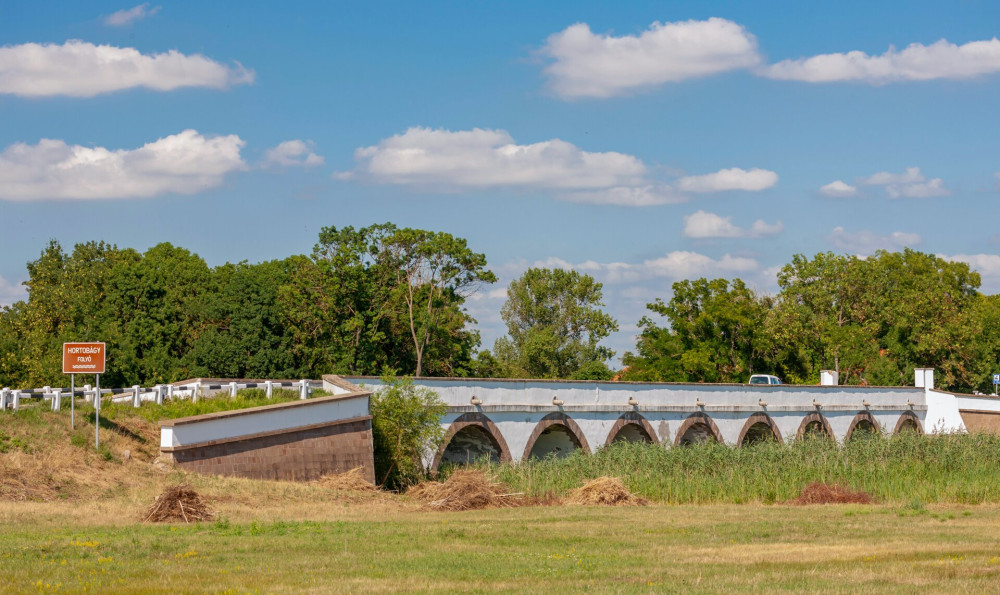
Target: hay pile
x,y
178,503
348,481
607,491
465,490
825,493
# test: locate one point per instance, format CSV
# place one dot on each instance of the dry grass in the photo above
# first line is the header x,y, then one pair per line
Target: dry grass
x,y
606,491
825,493
465,490
178,503
348,481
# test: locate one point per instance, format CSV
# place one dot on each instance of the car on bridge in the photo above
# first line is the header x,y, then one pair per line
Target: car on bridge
x,y
764,379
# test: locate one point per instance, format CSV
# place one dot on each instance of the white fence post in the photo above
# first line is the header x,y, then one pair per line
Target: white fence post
x,y
232,390
3,398
56,400
170,391
159,394
17,399
135,396
196,392
86,393
268,389
304,390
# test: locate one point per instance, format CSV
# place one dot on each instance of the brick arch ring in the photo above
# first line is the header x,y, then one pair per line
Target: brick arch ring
x,y
860,417
815,416
555,419
760,418
634,419
694,419
473,419
908,416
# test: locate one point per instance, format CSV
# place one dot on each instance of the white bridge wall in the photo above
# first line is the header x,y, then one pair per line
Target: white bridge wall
x,y
516,406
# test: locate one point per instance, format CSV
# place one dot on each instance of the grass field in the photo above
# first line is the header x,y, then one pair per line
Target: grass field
x,y
70,521
306,542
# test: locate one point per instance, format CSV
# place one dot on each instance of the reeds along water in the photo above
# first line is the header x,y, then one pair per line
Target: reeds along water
x,y
949,468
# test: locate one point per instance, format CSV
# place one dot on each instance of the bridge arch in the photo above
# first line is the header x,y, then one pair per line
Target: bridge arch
x,y
814,425
758,428
555,433
864,421
631,427
471,429
698,427
908,421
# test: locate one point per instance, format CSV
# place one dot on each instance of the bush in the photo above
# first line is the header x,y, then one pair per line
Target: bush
x,y
406,428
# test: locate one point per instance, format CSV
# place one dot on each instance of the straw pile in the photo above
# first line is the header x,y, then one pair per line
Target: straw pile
x,y
178,503
825,493
465,490
348,481
606,491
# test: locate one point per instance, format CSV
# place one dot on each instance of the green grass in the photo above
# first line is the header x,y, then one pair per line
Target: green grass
x,y
699,549
954,468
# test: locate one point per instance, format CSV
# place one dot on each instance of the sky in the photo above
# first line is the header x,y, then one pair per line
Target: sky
x,y
641,143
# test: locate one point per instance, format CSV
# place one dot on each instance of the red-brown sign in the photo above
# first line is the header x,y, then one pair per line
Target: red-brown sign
x,y
83,358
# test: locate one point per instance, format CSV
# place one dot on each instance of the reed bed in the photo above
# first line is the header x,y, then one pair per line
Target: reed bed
x,y
952,468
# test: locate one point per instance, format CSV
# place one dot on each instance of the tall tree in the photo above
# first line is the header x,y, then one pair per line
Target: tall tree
x,y
554,326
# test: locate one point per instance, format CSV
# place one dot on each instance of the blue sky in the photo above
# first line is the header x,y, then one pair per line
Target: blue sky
x,y
642,143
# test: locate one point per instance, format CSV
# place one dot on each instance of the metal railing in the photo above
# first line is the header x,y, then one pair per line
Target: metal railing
x,y
10,399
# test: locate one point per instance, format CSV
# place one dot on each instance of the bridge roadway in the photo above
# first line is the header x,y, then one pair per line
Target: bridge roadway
x,y
517,419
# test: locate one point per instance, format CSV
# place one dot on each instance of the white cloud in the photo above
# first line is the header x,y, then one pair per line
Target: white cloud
x,y
674,265
182,163
866,242
838,189
82,69
478,159
909,184
709,225
128,16
11,292
940,60
292,153
589,65
735,178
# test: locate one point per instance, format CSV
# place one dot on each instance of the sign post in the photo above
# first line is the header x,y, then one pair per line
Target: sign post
x,y
84,358
996,381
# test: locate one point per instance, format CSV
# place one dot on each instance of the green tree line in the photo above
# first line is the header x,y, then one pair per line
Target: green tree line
x,y
383,299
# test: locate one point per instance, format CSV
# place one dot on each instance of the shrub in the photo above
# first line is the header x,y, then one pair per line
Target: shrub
x,y
406,428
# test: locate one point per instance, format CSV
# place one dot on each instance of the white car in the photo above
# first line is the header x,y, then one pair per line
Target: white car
x,y
764,379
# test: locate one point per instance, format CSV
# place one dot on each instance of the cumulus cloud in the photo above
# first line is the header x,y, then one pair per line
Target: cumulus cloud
x,y
11,292
910,184
918,62
735,178
709,225
292,153
592,65
674,265
838,189
866,242
127,16
81,69
182,163
457,161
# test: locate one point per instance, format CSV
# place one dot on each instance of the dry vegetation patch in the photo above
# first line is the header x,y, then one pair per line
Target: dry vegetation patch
x,y
465,490
825,493
607,491
178,503
348,481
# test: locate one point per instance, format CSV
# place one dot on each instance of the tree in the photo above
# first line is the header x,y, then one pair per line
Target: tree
x,y
715,335
406,429
435,272
554,327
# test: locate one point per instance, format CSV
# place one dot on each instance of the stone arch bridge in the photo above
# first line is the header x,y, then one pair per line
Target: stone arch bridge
x,y
512,420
